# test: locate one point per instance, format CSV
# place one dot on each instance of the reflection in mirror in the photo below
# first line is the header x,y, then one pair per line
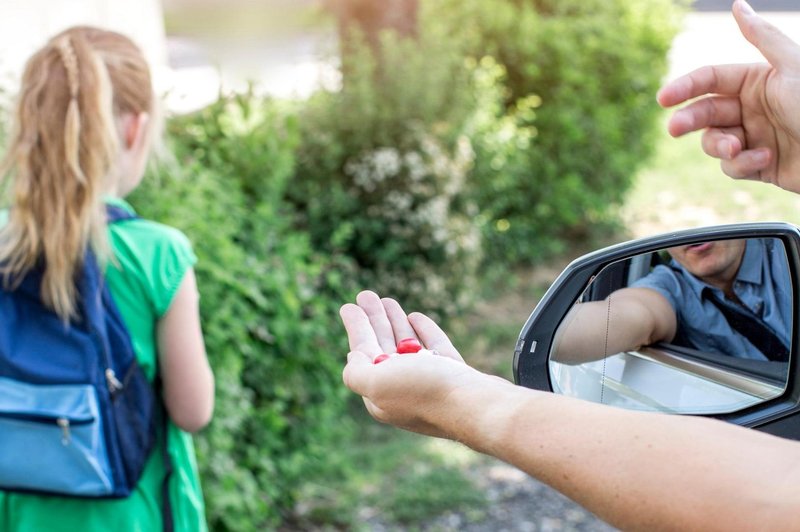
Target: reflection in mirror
x,y
704,328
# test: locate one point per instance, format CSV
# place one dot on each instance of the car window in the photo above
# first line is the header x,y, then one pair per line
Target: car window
x,y
721,314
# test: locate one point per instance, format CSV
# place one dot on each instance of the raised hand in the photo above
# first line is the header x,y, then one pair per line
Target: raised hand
x,y
750,113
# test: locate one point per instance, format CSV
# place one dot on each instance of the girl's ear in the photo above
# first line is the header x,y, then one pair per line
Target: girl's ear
x,y
134,130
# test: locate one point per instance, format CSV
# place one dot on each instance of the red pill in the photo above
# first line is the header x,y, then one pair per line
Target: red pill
x,y
408,345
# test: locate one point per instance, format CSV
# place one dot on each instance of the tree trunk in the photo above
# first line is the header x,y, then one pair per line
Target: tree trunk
x,y
371,17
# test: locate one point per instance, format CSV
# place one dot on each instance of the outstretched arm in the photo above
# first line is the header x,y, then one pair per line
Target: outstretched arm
x,y
635,470
750,113
626,320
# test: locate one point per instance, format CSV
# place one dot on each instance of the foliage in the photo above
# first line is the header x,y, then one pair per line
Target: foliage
x,y
393,477
382,168
578,111
534,137
269,308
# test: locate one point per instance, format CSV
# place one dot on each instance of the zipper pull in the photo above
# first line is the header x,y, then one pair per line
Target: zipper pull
x,y
113,383
64,424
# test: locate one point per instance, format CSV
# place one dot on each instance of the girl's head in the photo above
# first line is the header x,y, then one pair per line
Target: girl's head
x,y
81,131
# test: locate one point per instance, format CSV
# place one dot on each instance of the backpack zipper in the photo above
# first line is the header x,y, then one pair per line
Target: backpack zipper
x,y
62,422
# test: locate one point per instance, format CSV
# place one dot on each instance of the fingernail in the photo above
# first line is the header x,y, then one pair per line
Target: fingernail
x,y
746,9
724,149
761,156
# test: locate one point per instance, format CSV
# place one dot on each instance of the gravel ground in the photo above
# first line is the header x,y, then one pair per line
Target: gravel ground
x,y
516,503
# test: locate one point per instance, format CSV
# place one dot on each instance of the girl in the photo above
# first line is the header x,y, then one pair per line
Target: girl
x,y
82,136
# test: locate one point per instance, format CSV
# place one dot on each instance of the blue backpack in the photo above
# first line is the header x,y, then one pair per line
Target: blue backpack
x,y
77,414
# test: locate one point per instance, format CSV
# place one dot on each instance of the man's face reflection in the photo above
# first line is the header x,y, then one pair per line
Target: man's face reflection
x,y
715,263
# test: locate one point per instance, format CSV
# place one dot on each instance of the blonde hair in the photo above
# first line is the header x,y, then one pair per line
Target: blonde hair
x,y
62,152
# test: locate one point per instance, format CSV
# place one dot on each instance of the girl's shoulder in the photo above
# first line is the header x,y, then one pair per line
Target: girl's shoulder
x,y
145,236
149,257
150,234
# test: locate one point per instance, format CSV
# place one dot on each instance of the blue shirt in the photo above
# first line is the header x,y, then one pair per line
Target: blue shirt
x,y
762,285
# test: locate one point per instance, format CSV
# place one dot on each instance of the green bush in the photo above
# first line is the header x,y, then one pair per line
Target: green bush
x,y
382,168
269,308
579,111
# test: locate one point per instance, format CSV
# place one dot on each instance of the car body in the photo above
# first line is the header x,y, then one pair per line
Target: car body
x,y
663,377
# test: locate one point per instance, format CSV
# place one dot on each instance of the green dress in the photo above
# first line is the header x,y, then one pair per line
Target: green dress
x,y
150,261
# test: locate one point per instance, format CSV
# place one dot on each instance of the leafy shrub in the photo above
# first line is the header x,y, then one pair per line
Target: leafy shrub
x,y
578,115
382,168
269,308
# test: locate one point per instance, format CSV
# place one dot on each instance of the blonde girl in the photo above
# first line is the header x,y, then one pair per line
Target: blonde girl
x,y
81,136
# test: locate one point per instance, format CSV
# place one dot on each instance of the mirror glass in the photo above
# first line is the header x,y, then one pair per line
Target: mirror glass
x,y
704,328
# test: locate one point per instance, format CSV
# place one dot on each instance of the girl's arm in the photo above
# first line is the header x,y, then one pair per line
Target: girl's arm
x,y
188,383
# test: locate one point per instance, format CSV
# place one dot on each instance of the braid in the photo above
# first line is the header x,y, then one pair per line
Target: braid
x,y
70,60
72,127
63,153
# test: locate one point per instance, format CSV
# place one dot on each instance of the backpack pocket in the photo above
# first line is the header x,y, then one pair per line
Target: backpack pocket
x,y
54,434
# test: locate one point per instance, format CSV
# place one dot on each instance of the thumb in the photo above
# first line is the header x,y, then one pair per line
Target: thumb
x,y
777,48
356,374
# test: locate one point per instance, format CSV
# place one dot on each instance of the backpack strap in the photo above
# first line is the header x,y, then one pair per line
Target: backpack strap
x,y
117,214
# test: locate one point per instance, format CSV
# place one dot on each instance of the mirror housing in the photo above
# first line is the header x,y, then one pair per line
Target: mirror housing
x,y
531,364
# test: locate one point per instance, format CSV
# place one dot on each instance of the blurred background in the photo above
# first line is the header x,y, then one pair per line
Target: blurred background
x,y
454,154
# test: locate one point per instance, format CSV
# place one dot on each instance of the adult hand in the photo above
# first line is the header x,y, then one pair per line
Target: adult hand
x,y
750,113
411,391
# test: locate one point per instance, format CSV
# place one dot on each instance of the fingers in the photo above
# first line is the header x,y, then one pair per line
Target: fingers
x,y
375,325
372,306
719,79
713,111
728,145
356,374
777,48
397,317
360,333
747,164
723,143
432,336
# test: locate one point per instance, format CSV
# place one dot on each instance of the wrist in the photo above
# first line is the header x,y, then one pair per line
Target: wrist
x,y
481,414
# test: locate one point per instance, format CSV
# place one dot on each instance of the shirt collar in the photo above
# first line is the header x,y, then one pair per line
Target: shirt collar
x,y
751,269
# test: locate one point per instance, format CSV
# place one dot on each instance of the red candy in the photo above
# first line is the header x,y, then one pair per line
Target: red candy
x,y
408,345
380,358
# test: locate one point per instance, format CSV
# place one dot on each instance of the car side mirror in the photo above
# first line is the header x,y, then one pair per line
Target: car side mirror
x,y
701,321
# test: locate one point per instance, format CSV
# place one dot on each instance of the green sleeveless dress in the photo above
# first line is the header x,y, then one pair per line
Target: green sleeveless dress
x,y
151,260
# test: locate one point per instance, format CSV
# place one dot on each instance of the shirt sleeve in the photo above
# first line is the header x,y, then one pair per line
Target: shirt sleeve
x,y
172,258
663,280
157,256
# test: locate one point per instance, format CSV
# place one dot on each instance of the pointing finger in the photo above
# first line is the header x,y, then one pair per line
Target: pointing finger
x,y
777,48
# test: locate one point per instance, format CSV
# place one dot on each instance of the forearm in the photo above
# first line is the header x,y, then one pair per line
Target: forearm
x,y
586,334
635,470
628,319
